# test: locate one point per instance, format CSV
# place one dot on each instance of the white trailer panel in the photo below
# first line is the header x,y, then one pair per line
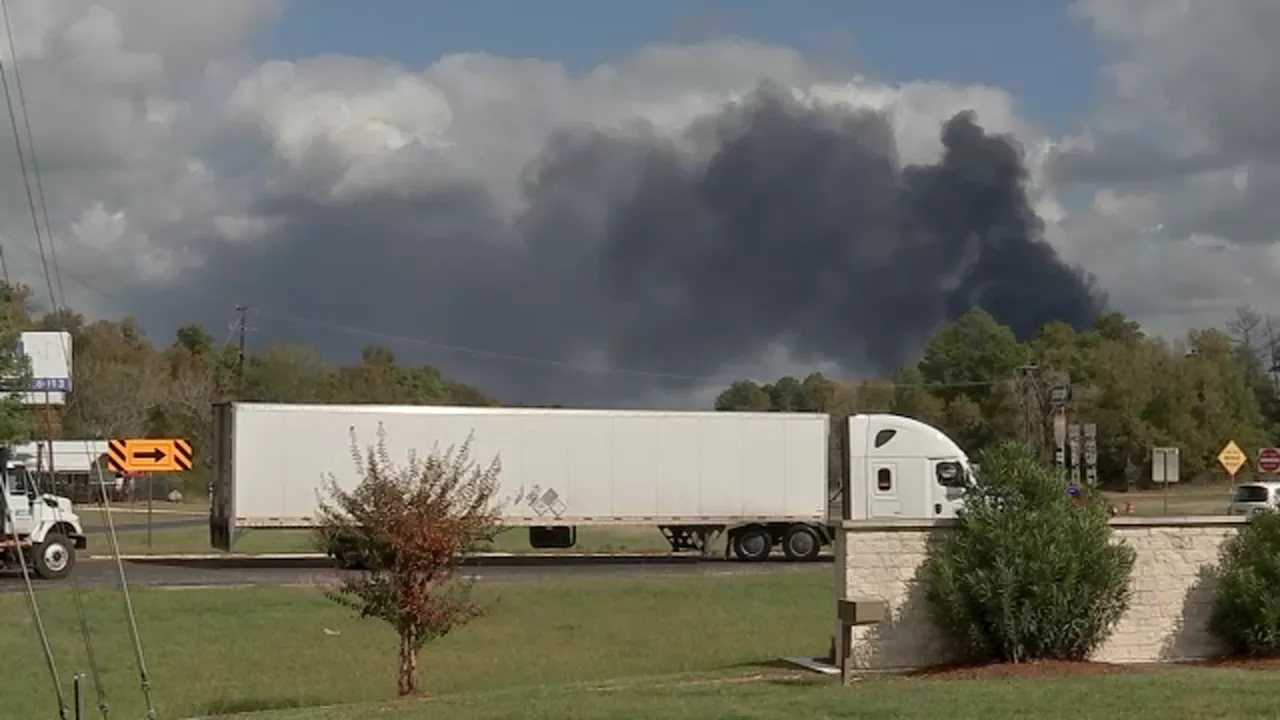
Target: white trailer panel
x,y
559,467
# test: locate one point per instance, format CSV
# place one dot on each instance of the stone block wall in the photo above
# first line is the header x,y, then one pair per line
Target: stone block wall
x,y
1166,620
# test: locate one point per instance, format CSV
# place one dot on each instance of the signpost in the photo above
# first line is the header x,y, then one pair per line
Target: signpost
x,y
1091,454
1164,470
1269,460
1059,439
1232,458
135,456
1073,444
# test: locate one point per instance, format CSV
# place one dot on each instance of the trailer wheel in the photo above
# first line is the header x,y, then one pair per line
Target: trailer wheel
x,y
800,543
752,544
53,558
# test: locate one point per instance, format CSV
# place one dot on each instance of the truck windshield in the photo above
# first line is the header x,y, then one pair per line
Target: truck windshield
x,y
20,482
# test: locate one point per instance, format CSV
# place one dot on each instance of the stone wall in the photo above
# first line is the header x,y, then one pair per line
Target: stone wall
x,y
1166,620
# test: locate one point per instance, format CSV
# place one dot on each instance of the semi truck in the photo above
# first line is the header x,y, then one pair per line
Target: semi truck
x,y
40,530
760,479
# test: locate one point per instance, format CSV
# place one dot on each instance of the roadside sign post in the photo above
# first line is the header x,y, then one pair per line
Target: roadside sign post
x,y
1073,447
138,456
1091,454
1164,470
1232,458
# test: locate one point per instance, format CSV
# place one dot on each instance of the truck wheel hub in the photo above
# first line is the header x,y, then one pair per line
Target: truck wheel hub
x,y
55,557
802,543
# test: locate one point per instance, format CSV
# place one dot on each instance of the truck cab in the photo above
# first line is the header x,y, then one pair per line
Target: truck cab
x,y
899,467
41,530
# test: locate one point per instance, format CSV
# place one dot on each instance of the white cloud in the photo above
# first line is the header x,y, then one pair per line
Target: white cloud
x,y
139,106
1186,152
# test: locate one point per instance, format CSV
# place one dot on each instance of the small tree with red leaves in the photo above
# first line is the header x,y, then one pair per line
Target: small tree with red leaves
x,y
409,527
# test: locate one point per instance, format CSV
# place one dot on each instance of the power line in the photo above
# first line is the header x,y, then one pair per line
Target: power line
x,y
506,356
31,147
58,303
477,352
523,359
46,647
26,180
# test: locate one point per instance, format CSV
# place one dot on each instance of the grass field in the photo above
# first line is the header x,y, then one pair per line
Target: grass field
x,y
195,539
1188,500
1165,695
588,649
215,651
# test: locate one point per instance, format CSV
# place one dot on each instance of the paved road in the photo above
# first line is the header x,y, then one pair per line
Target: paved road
x,y
234,572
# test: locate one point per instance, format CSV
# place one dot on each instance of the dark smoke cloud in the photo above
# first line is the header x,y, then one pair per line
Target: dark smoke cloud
x,y
783,223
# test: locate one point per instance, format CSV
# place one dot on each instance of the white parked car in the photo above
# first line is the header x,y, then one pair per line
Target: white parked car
x,y
1253,497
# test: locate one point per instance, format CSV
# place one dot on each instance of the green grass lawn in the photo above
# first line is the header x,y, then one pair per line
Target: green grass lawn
x,y
216,651
1189,500
1165,695
170,540
588,649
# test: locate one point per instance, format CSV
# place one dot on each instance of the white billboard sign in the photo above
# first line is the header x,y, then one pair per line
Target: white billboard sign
x,y
50,356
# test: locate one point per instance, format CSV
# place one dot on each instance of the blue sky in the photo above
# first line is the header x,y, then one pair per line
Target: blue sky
x,y
1031,48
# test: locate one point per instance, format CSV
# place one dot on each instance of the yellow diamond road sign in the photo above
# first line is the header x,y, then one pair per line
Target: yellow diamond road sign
x,y
1232,458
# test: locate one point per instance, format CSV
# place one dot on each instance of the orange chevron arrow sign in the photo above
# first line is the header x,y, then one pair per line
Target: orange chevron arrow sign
x,y
143,455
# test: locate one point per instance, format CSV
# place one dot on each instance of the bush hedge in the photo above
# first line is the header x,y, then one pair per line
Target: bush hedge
x,y
1246,607
1029,572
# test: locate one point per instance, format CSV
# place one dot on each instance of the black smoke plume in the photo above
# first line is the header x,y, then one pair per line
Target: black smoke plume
x,y
769,222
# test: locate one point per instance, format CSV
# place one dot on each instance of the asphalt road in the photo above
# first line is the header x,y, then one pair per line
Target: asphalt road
x,y
237,572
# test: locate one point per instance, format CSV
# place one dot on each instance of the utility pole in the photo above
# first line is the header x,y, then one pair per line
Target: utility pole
x,y
242,313
1027,391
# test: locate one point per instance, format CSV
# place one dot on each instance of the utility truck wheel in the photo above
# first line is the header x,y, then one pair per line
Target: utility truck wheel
x,y
53,558
800,543
752,544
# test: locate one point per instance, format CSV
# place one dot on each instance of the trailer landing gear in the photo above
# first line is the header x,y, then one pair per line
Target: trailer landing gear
x,y
691,537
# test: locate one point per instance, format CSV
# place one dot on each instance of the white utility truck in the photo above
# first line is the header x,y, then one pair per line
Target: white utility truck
x,y
762,478
47,529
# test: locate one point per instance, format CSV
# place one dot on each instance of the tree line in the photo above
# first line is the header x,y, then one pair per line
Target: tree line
x,y
975,380
979,383
124,385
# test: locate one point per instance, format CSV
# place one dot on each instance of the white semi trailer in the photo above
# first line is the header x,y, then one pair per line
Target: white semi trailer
x,y
762,478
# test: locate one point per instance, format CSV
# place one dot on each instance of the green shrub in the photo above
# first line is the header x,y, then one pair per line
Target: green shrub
x,y
1246,607
1028,573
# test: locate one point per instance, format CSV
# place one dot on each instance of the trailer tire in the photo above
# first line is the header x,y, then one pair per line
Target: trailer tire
x,y
752,543
801,543
54,558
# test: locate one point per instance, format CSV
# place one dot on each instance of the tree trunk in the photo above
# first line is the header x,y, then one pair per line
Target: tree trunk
x,y
408,681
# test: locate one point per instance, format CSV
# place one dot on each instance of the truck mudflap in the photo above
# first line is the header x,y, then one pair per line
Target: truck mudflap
x,y
80,542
